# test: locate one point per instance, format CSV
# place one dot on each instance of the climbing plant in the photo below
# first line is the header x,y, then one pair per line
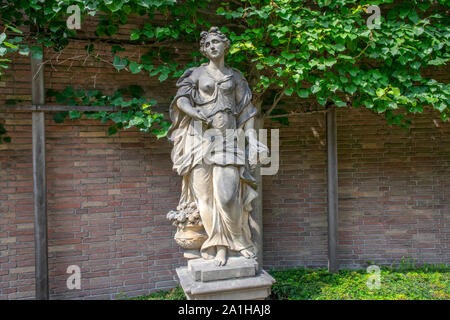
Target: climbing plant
x,y
322,50
328,51
47,22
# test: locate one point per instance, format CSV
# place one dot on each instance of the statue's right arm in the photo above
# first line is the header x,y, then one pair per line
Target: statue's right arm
x,y
185,105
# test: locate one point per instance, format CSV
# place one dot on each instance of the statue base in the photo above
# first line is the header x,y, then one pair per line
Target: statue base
x,y
239,279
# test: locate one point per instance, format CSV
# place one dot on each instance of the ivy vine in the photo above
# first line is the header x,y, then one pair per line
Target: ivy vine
x,y
322,50
135,112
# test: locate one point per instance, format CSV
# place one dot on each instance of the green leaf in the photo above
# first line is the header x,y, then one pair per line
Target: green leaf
x,y
60,116
10,45
60,98
92,93
115,49
403,12
380,92
112,130
111,30
350,89
340,47
135,67
353,72
146,59
79,94
392,105
315,89
24,51
14,29
330,62
368,104
74,115
68,92
288,91
442,106
381,108
395,92
119,63
415,65
135,34
149,33
413,17
418,31
163,76
36,52
303,93
322,100
288,55
220,11
436,62
159,133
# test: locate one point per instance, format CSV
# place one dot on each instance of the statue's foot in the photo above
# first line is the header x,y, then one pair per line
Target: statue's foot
x,y
209,253
248,253
221,256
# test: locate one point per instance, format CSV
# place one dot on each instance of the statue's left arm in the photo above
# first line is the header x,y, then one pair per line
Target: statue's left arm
x,y
245,110
246,118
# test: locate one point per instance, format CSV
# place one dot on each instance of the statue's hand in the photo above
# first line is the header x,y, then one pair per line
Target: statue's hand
x,y
198,115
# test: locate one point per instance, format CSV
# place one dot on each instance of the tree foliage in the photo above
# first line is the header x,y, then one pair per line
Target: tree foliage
x,y
322,50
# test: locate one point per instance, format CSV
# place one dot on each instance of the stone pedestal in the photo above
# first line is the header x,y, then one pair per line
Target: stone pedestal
x,y
239,279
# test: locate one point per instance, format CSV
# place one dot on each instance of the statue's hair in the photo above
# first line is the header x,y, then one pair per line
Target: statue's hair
x,y
213,31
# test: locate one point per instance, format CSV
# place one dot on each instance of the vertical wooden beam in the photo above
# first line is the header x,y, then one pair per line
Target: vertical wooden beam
x,y
332,190
39,181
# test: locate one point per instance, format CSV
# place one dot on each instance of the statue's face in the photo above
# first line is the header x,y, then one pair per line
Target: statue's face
x,y
214,47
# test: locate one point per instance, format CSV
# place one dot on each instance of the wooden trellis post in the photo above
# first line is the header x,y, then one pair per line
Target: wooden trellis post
x,y
332,190
39,178
39,181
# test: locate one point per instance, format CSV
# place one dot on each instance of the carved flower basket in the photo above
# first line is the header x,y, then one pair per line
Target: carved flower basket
x,y
190,233
190,237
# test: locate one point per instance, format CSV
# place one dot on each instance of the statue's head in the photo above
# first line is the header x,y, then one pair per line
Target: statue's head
x,y
214,44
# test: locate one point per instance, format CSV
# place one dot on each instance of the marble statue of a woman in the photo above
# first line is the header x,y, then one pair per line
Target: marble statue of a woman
x,y
216,97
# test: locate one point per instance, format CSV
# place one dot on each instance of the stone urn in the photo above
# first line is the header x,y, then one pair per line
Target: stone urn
x,y
190,237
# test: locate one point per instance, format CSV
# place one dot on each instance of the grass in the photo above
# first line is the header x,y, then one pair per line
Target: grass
x,y
172,294
425,283
404,282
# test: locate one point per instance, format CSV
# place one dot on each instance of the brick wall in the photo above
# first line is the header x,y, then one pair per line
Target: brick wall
x,y
295,200
393,197
107,201
393,200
